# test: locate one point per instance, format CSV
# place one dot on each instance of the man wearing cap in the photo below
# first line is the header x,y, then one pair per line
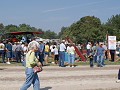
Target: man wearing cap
x,y
100,55
62,53
41,51
94,49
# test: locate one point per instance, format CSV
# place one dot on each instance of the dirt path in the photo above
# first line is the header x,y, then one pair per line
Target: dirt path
x,y
63,78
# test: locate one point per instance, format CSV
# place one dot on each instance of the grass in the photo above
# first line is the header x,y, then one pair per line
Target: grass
x,y
107,62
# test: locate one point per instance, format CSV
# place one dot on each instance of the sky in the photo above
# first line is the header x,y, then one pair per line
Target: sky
x,y
54,14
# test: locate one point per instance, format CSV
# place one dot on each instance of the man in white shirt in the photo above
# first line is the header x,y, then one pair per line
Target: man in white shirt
x,y
88,48
2,51
62,53
33,40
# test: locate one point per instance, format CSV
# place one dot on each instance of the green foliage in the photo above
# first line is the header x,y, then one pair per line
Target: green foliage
x,y
61,34
24,27
90,29
1,26
113,26
11,28
50,35
84,30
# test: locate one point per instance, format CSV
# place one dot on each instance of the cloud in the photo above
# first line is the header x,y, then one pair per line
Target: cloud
x,y
78,5
53,10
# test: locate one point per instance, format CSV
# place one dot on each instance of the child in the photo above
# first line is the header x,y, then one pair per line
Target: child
x,y
91,59
56,58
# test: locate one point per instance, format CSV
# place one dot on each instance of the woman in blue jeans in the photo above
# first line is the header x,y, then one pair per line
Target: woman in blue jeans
x,y
31,76
71,55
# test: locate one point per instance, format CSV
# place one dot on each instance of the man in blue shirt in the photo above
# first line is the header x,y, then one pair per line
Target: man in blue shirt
x,y
100,55
41,51
8,48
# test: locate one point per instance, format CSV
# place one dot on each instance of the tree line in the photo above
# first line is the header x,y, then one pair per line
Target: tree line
x,y
90,29
87,29
24,27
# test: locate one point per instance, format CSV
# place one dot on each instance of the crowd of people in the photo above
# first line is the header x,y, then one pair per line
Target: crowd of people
x,y
61,53
99,52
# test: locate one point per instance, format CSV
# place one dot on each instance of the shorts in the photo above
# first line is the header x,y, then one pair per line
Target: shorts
x,y
46,53
56,57
9,54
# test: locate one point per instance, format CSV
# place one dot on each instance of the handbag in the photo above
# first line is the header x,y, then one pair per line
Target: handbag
x,y
37,69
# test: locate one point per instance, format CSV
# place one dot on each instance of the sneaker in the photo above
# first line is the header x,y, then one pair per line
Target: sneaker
x,y
53,62
73,66
118,81
8,62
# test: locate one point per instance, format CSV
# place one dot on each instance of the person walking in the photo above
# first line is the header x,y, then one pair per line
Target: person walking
x,y
31,76
100,55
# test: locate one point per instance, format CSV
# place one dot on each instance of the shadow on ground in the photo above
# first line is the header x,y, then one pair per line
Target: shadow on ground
x,y
46,88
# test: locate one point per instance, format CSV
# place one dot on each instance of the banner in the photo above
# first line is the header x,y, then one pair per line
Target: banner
x,y
112,42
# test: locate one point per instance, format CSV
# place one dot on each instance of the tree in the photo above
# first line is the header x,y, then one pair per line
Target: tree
x,y
1,26
63,30
84,30
11,28
113,26
50,35
25,27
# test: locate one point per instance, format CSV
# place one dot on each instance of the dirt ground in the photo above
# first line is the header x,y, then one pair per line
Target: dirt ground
x,y
63,78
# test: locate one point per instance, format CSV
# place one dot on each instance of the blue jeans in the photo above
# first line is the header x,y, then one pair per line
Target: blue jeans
x,y
62,57
13,54
41,57
88,52
95,59
66,57
31,78
71,58
100,60
18,56
119,75
37,54
2,52
91,62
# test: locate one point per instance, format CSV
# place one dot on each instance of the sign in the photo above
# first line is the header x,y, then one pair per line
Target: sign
x,y
112,42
